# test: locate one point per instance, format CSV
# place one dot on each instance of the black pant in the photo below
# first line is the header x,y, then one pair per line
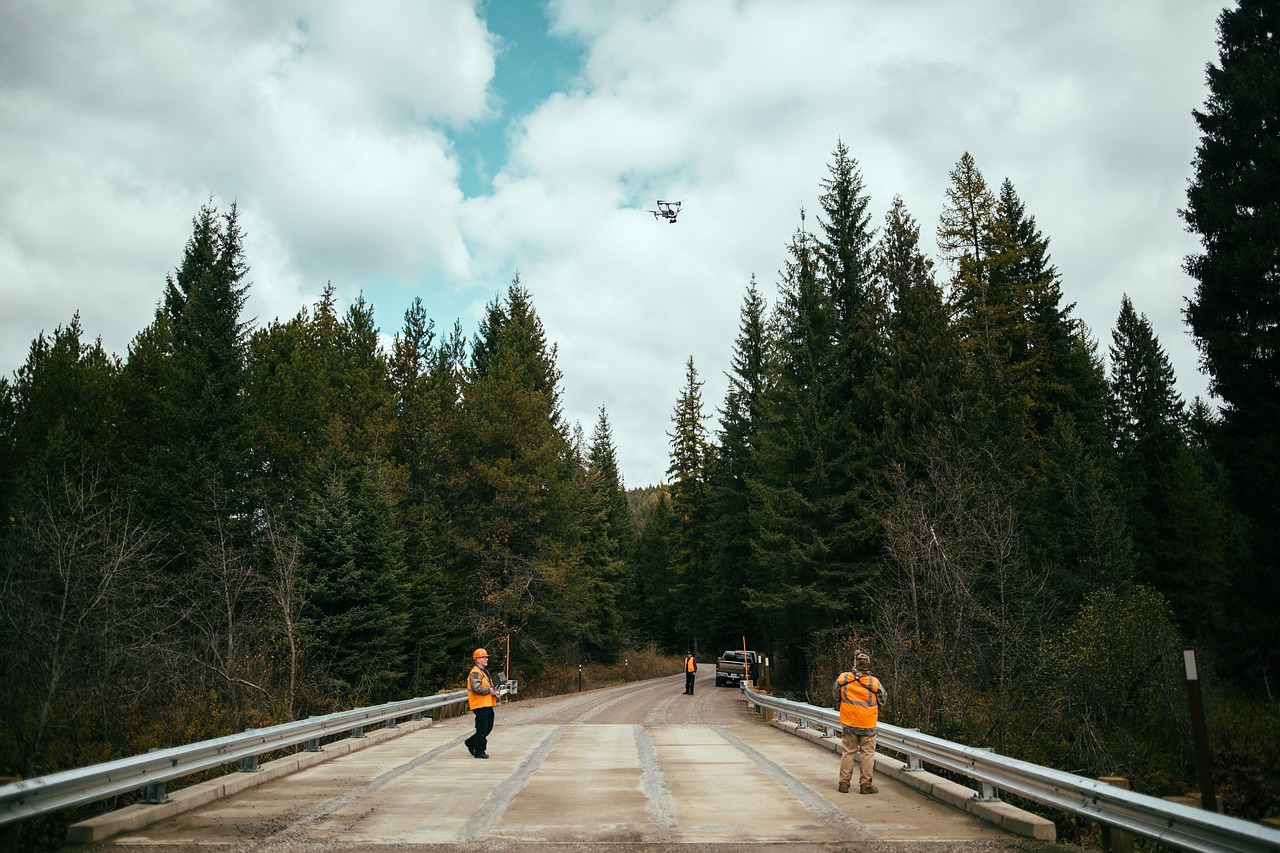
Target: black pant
x,y
688,682
479,741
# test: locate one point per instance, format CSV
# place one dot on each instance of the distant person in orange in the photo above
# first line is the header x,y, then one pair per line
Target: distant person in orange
x,y
481,697
859,695
690,669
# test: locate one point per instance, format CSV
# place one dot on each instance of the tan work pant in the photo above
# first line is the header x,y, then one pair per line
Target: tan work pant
x,y
864,748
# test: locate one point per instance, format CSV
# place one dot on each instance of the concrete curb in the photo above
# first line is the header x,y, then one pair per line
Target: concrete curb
x,y
137,816
1007,817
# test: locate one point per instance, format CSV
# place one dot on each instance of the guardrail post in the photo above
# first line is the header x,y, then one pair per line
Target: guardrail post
x,y
913,760
312,745
989,792
391,724
417,715
1116,840
154,794
249,764
358,731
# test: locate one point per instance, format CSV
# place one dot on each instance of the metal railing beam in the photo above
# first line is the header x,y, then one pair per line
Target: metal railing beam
x,y
1173,824
29,798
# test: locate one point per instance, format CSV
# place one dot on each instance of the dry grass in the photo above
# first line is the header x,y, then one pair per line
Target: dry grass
x,y
632,666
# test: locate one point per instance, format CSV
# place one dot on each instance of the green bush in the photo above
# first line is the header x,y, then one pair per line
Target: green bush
x,y
1244,736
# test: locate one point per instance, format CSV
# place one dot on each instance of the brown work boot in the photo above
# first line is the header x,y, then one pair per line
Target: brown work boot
x,y
844,788
868,789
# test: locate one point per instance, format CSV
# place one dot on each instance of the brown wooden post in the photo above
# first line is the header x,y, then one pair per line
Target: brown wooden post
x,y
1199,734
1116,840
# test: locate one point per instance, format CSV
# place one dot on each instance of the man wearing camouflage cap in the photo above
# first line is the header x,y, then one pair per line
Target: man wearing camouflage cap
x,y
859,695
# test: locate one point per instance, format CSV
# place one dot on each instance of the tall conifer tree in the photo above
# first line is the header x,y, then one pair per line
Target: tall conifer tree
x,y
731,565
196,472
690,455
1233,204
515,481
923,376
798,592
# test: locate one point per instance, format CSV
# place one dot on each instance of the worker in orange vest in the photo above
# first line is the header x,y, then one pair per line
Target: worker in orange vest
x,y
482,698
859,695
690,668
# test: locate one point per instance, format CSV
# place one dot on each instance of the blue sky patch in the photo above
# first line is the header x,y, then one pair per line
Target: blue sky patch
x,y
531,65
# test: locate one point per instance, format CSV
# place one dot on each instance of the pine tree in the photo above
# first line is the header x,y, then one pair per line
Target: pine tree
x,y
730,555
796,591
856,408
593,585
592,622
1076,521
922,382
647,605
1146,422
603,459
515,481
195,473
687,473
964,239
967,243
69,385
425,373
318,384
1233,204
357,613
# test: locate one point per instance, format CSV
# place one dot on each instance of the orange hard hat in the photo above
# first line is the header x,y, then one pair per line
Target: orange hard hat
x,y
479,653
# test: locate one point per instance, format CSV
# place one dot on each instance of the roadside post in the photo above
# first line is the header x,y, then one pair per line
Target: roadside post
x,y
1199,733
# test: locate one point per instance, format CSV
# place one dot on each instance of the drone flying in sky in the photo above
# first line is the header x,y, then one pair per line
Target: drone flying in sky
x,y
667,210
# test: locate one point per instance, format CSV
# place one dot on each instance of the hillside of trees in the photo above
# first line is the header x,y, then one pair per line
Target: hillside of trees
x,y
927,458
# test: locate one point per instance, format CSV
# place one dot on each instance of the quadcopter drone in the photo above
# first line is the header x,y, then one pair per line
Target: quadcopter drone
x,y
667,210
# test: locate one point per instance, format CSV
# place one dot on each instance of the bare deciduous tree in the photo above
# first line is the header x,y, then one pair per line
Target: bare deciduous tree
x,y
959,600
76,564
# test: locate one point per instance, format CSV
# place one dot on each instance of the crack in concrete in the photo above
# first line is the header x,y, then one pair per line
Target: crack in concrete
x,y
661,804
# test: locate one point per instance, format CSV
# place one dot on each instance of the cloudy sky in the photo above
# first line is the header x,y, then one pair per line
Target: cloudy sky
x,y
434,148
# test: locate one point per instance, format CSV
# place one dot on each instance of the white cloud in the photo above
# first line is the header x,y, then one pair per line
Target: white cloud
x,y
736,107
327,122
324,123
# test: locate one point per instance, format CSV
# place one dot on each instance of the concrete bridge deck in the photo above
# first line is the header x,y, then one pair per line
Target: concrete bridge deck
x,y
636,767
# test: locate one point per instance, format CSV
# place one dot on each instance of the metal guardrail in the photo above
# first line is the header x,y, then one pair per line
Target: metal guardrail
x,y
1173,824
44,794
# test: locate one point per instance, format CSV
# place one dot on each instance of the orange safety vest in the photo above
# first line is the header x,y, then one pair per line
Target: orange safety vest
x,y
859,705
690,665
480,700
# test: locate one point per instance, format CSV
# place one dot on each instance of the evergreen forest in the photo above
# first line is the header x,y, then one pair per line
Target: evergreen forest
x,y
929,458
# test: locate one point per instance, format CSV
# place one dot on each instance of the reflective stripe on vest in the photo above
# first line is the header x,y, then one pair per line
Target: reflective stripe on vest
x,y
480,700
859,706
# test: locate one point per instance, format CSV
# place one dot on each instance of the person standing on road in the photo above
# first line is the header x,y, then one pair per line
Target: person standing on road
x,y
482,698
859,695
690,669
